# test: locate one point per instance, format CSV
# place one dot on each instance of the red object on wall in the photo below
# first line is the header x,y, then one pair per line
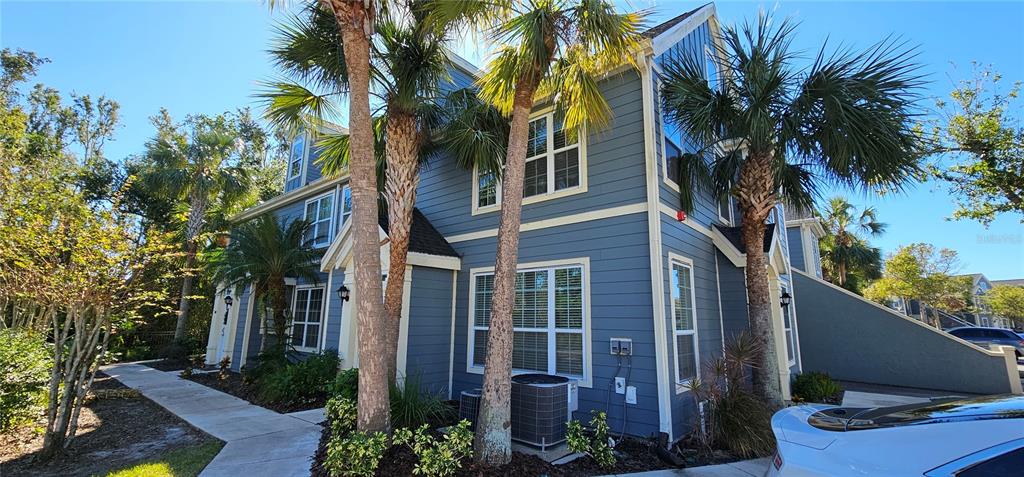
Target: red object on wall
x,y
680,215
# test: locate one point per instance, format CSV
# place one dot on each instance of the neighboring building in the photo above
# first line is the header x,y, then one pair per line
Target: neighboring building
x,y
1013,282
804,229
980,314
602,256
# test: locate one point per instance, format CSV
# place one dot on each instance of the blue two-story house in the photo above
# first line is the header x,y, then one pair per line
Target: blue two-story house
x,y
604,254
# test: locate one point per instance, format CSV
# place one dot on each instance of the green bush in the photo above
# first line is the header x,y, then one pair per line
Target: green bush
x,y
744,424
595,443
346,384
410,407
438,458
25,364
182,349
342,415
299,382
355,454
815,386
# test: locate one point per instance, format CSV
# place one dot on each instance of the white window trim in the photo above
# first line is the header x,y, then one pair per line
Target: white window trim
x,y
725,219
305,157
581,143
683,385
584,262
331,225
669,182
322,323
341,208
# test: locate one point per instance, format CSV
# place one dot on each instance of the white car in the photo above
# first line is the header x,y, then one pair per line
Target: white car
x,y
975,437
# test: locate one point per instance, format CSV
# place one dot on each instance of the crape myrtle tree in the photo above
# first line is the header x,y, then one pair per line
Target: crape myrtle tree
x,y
778,128
553,50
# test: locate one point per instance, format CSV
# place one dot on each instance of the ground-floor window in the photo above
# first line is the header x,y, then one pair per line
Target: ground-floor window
x,y
307,311
787,325
548,320
684,319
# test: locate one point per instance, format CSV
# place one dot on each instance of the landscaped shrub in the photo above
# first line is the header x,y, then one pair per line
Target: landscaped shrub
x,y
733,418
817,387
341,414
299,382
438,458
346,384
182,349
24,374
411,407
594,443
355,454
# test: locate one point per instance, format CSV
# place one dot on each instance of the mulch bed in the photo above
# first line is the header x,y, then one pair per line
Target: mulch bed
x,y
633,455
116,429
234,385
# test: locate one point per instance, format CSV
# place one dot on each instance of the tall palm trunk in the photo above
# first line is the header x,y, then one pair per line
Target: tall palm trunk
x,y
492,444
355,22
402,153
192,228
757,198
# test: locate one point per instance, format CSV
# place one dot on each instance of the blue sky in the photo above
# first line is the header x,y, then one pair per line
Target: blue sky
x,y
206,57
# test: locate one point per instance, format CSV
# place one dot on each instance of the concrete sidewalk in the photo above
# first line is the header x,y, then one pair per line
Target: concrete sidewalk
x,y
258,441
744,468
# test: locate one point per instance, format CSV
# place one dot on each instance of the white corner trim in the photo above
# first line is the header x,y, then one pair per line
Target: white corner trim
x,y
584,262
655,249
402,359
555,221
451,338
670,37
248,327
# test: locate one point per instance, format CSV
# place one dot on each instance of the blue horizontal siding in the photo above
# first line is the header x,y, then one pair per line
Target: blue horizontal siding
x,y
430,315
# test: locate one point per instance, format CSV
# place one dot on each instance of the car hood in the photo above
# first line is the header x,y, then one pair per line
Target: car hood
x,y
790,425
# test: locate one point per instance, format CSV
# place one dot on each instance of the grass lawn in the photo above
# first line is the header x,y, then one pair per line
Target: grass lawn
x,y
187,462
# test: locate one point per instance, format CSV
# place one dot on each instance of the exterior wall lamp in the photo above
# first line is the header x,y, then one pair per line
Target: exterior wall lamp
x,y
785,299
344,293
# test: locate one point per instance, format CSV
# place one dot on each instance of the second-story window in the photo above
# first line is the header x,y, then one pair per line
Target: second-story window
x,y
346,205
487,189
318,214
298,153
552,158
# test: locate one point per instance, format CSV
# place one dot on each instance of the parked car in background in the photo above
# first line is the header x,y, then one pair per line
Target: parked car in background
x,y
974,437
983,336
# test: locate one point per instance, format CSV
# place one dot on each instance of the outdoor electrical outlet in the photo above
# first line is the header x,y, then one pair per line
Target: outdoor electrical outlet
x,y
620,385
621,346
631,395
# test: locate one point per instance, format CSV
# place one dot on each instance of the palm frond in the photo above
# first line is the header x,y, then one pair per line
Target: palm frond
x,y
474,132
292,107
308,47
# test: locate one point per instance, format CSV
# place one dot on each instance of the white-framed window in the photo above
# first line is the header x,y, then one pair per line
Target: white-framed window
x,y
672,143
711,69
787,326
319,214
684,320
307,314
555,166
346,205
725,210
297,156
550,319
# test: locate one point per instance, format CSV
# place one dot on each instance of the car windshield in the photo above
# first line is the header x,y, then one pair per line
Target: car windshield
x,y
942,410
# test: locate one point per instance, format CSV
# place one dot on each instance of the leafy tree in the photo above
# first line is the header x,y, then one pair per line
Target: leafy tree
x,y
775,130
262,253
1007,301
918,272
194,164
982,135
847,259
549,49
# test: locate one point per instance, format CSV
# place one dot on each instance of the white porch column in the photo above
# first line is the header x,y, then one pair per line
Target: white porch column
x,y
779,330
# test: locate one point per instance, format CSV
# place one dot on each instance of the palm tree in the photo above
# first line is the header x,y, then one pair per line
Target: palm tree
x,y
846,118
191,164
847,258
550,49
262,253
409,62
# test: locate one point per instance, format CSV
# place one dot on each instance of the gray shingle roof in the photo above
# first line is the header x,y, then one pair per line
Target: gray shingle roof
x,y
664,26
423,237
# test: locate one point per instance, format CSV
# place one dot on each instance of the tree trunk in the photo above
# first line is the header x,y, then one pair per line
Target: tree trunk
x,y
186,291
355,21
400,187
757,198
492,444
